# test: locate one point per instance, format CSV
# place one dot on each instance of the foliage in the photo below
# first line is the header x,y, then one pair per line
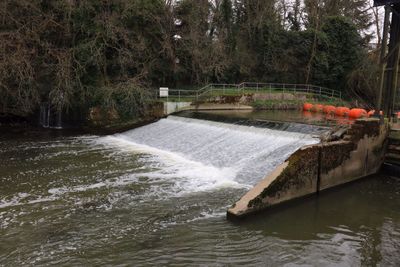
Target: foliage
x,y
79,54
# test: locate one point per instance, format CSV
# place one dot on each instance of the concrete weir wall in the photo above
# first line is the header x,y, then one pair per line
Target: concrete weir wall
x,y
360,152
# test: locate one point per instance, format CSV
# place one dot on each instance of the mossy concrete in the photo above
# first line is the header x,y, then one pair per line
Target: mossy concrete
x,y
317,167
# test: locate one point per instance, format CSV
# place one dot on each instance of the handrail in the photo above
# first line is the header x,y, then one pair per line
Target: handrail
x,y
254,86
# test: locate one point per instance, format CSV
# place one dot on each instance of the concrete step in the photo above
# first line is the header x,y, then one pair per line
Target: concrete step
x,y
394,141
392,162
394,135
394,152
394,147
391,169
392,156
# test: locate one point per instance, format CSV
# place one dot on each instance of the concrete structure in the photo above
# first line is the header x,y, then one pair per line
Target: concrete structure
x,y
172,107
393,153
359,152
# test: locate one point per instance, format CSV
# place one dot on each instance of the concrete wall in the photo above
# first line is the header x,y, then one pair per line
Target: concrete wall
x,y
317,167
171,107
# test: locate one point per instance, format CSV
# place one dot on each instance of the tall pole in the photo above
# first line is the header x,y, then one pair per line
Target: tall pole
x,y
382,61
394,86
392,56
395,40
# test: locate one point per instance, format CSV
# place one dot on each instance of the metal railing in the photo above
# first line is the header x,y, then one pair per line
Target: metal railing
x,y
214,89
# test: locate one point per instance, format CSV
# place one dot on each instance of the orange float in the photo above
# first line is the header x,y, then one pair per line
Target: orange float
x,y
307,106
317,108
328,109
342,111
356,113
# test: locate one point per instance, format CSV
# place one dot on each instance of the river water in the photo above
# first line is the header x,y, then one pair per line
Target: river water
x,y
157,196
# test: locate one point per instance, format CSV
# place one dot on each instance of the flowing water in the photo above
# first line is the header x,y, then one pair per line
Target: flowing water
x,y
157,195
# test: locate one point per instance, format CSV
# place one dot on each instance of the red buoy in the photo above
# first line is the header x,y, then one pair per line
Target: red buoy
x,y
328,109
357,113
307,106
342,111
317,108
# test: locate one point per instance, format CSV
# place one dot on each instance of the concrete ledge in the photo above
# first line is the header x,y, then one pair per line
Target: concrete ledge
x,y
317,167
214,106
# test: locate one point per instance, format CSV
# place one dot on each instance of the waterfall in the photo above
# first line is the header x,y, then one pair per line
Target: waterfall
x,y
50,118
203,149
45,115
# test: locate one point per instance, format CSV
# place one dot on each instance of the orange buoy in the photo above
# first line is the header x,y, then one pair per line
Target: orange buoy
x,y
328,109
307,106
342,111
317,108
358,113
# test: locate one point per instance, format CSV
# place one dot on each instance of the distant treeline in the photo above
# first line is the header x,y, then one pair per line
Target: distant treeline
x,y
77,54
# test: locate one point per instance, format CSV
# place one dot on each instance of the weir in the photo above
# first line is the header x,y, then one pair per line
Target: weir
x,y
278,162
238,153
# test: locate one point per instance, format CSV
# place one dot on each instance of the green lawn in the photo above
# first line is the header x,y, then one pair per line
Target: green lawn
x,y
183,95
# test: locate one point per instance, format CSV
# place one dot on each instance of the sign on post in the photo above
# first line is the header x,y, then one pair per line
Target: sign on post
x,y
163,91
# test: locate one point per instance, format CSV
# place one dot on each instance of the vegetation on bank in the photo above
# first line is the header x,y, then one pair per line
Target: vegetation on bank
x,y
77,55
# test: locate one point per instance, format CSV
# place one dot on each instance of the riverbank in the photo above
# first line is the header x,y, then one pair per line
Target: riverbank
x,y
10,131
272,101
96,120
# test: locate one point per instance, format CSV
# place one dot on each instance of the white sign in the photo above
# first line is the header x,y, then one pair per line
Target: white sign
x,y
163,91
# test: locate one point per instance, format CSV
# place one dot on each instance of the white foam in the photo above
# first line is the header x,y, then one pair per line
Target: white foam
x,y
19,201
196,155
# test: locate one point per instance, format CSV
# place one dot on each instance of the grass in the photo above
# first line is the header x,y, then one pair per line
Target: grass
x,y
312,98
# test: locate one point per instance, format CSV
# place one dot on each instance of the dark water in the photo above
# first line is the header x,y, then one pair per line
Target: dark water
x,y
92,200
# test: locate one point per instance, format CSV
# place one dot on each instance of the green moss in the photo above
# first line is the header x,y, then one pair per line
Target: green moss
x,y
300,171
333,155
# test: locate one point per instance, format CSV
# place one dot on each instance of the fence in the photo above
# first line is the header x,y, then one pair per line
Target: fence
x,y
215,89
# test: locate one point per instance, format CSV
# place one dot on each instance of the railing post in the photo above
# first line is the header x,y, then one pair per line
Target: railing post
x,y
179,92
